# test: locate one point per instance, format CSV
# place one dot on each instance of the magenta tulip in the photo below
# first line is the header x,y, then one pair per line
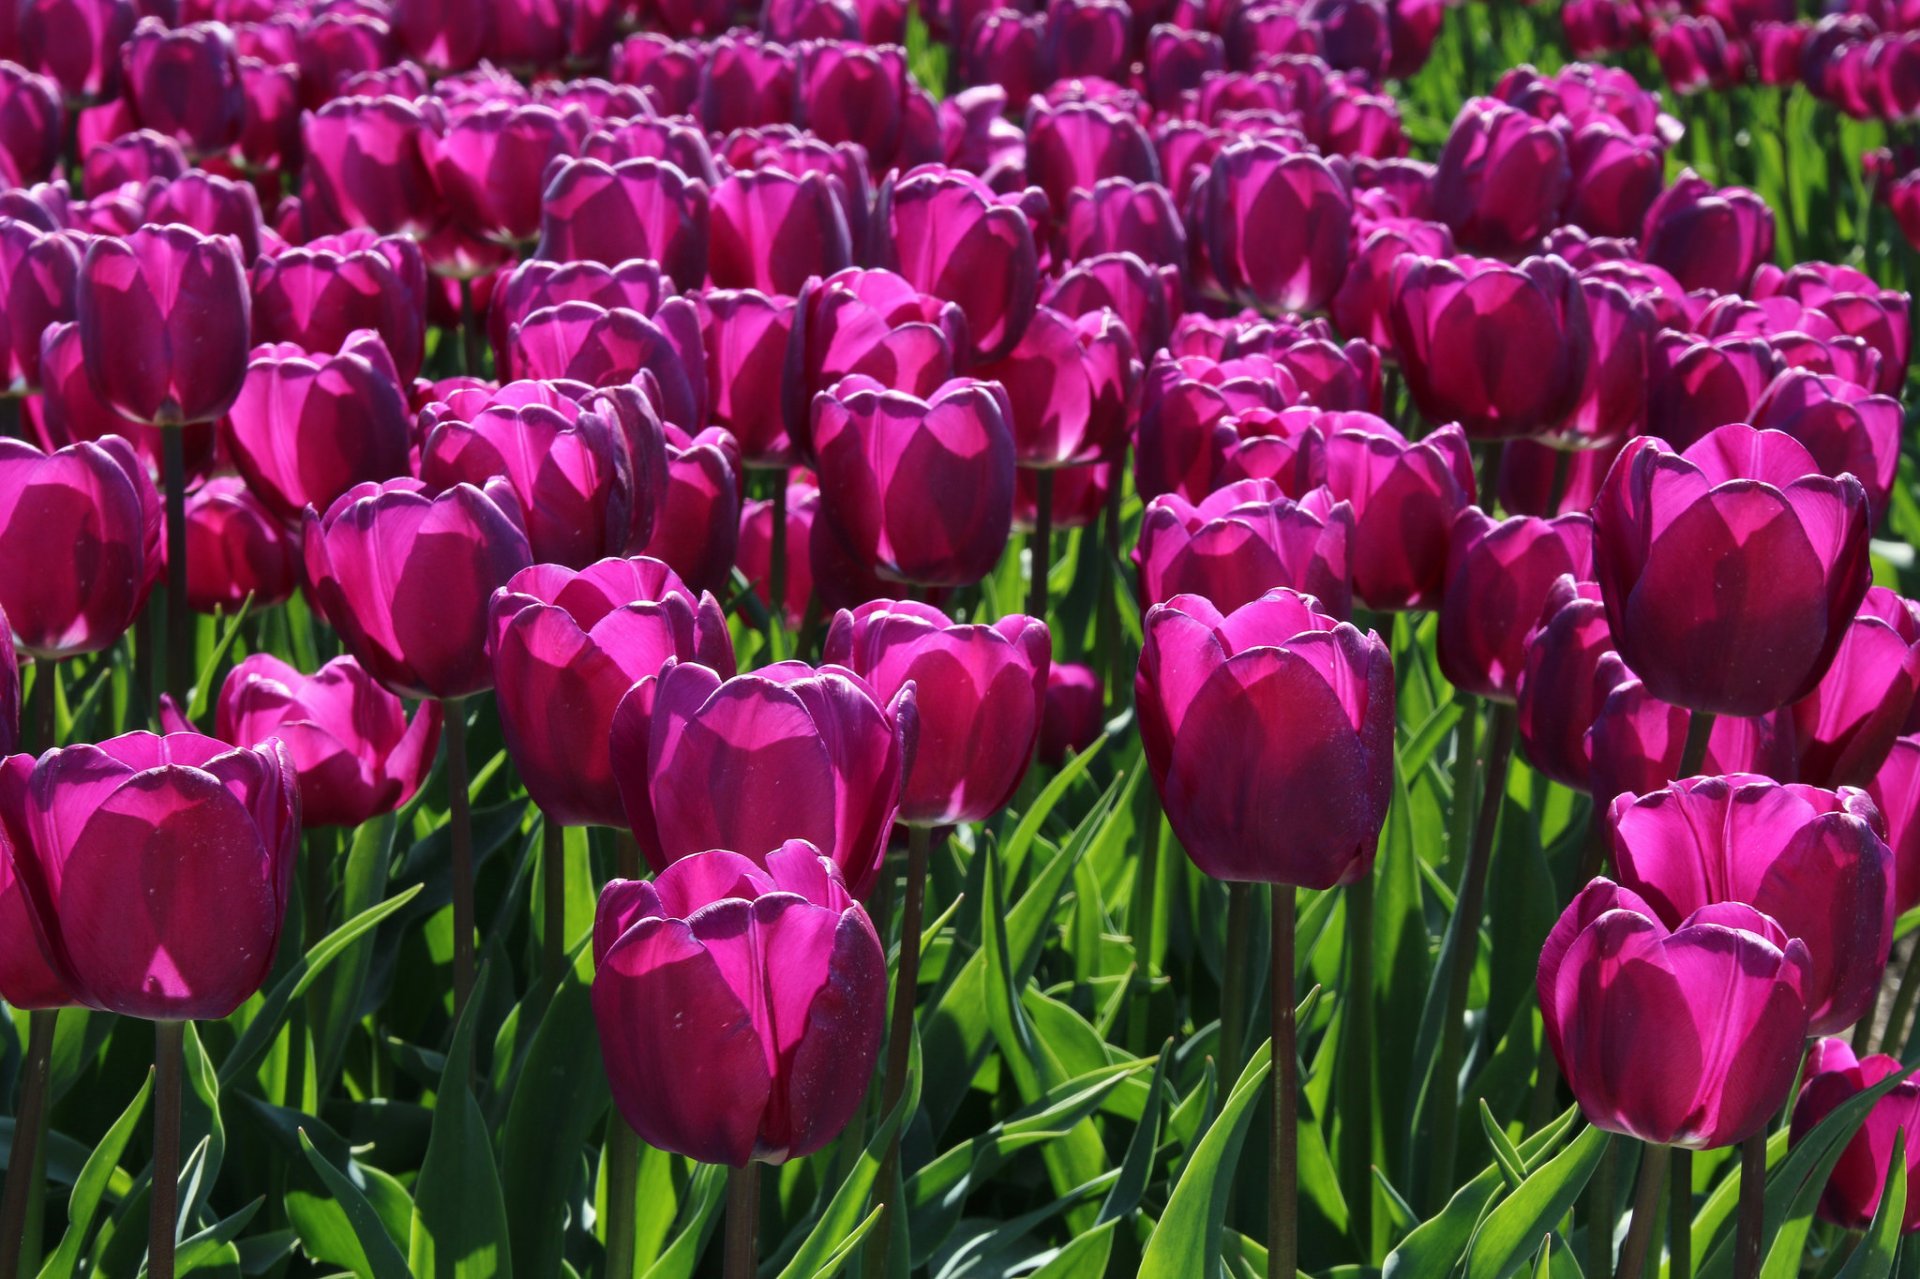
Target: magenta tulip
x,y
1849,431
1119,215
26,979
534,285
1072,387
237,551
817,561
1709,238
1848,723
1558,693
1184,403
370,164
1076,144
491,161
1244,540
40,270
1636,742
1895,791
1075,707
746,335
185,82
77,43
1500,574
642,208
949,235
1502,178
581,342
1405,496
1855,302
771,230
698,528
317,295
1833,1075
1277,225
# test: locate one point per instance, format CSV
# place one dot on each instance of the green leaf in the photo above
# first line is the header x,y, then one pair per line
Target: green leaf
x,y
380,1259
1874,1258
1084,1258
1513,1230
1186,1242
1137,1167
203,688
1503,1152
459,1217
210,1248
91,1186
363,883
1013,853
704,1196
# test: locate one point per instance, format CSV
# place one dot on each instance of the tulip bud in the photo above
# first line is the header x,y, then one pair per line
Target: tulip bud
x,y
317,295
156,870
1708,1018
697,532
746,81
1277,224
491,162
1848,430
1856,303
1848,723
1502,178
369,164
1695,385
1560,693
768,974
581,342
1145,298
1635,742
1709,238
1075,705
950,236
1500,575
1734,597
237,551
1183,405
185,82
1404,497
1244,540
1303,807
534,285
1833,1075
870,322
1363,306
1071,386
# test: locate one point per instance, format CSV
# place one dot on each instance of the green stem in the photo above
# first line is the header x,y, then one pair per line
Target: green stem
x,y
1646,1211
1680,1215
460,832
1040,545
1894,1038
1753,1206
179,623
553,887
1693,757
165,1194
743,1221
1356,1081
906,990
1145,899
623,1159
46,676
1106,635
1600,1218
777,554
1233,978
29,1159
1283,1224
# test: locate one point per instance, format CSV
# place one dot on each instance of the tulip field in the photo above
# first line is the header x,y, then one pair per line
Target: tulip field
x,y
968,639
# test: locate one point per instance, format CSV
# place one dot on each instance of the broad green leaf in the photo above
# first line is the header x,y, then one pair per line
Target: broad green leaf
x,y
459,1216
1503,1152
91,1186
704,1197
1874,1258
1513,1230
1084,1258
379,1259
1186,1241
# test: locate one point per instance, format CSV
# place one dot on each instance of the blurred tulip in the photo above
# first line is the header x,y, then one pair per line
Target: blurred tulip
x,y
534,285
746,81
1277,225
1812,859
406,579
490,164
1364,305
1709,238
185,82
236,550
1615,177
1076,144
1895,791
950,236
369,164
1300,807
1730,570
1071,718
581,342
39,270
1502,178
317,295
636,209
1695,54
1500,575
1833,1075
32,124
566,647
1848,723
156,869
448,35
698,527
1404,497
1146,298
766,972
1244,540
1122,216
1183,404
770,230
1849,431
746,335
1686,1037
1696,384
77,43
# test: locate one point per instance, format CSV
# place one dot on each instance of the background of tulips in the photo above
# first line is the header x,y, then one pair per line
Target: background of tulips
x,y
541,441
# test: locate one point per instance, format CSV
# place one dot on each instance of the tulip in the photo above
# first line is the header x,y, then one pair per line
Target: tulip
x,y
1071,386
1687,1037
491,162
1145,298
40,270
1848,430
1183,404
306,429
1089,39
1895,791
746,81
848,92
1363,306
817,561
1737,623
766,973
746,335
581,342
1002,49
1558,694
922,489
1696,384
566,647
1615,177
770,230
1709,238
1812,859
1405,496
1076,144
1288,447
26,979
406,579
870,322
979,695
1848,723
237,551
164,321
1855,302
1538,479
1070,720
1304,807
1277,225
1244,540
342,53
692,752
317,295
1119,215
1502,349
1500,575
185,82
369,164
1637,743
1502,178
636,209
1695,54
32,128
195,842
1834,1074
77,43
949,235
697,532
534,285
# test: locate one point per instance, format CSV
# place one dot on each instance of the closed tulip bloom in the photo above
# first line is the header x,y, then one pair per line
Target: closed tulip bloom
x,y
746,81
1076,144
1288,447
1696,384
979,692
1072,386
32,126
70,410
448,35
1363,307
77,43
122,166
1620,339
1848,723
1710,238
639,208
566,647
1146,298
317,295
306,428
693,756
1118,215
1500,575
1616,176
211,205
1849,430
491,161
745,335
582,342
1895,791
1833,1075
771,230
1502,349
156,869
1636,741
949,235
1558,693
697,531
236,550
850,92
1002,49
922,489
406,579
163,320
1695,54
1405,496
1183,405
637,284
816,559
1277,224
369,164
185,82
1502,178
1244,540
40,270
1684,1037
1528,482
765,972
1854,301
870,322
1812,859
1302,806
1089,39
1730,571
26,979
1075,706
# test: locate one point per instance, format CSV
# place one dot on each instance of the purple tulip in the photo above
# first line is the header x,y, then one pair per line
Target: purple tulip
x,y
406,579
851,92
1848,430
1856,303
32,125
746,335
1076,144
698,528
370,164
236,550
872,323
449,35
317,295
582,342
1502,178
40,271
692,751
767,974
1302,807
770,230
1119,215
1089,39
185,82
1695,54
979,693
534,285
1363,307
746,81
1003,50
1559,694
1636,741
1146,298
1895,791
490,162
1709,238
636,209
566,647
156,869
26,979
1616,176
949,235
922,489
1848,723
1685,1037
1071,386
1833,1075
1075,706
1277,225
1731,570
1405,496
1500,576
1812,859
1696,384
77,43
1244,540
1288,447
211,205
1183,405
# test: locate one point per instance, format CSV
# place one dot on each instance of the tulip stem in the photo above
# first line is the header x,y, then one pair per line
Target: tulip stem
x,y
1693,757
1233,978
1894,1038
743,1221
1562,471
1356,1078
1463,941
907,980
1145,897
1600,1219
777,554
1040,545
1283,1225
469,335
1680,1215
1646,1211
460,834
623,1158
1106,624
179,625
10,417
165,1201
45,677
553,887
28,1162
1753,1206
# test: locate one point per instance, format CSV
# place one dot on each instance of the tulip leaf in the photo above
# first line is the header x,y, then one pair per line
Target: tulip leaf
x,y
91,1186
704,1195
1013,853
1513,1231
209,1248
266,1023
1504,1155
363,883
203,687
1137,1166
1084,1258
379,1258
459,1216
1187,1240
1874,1258
322,1224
